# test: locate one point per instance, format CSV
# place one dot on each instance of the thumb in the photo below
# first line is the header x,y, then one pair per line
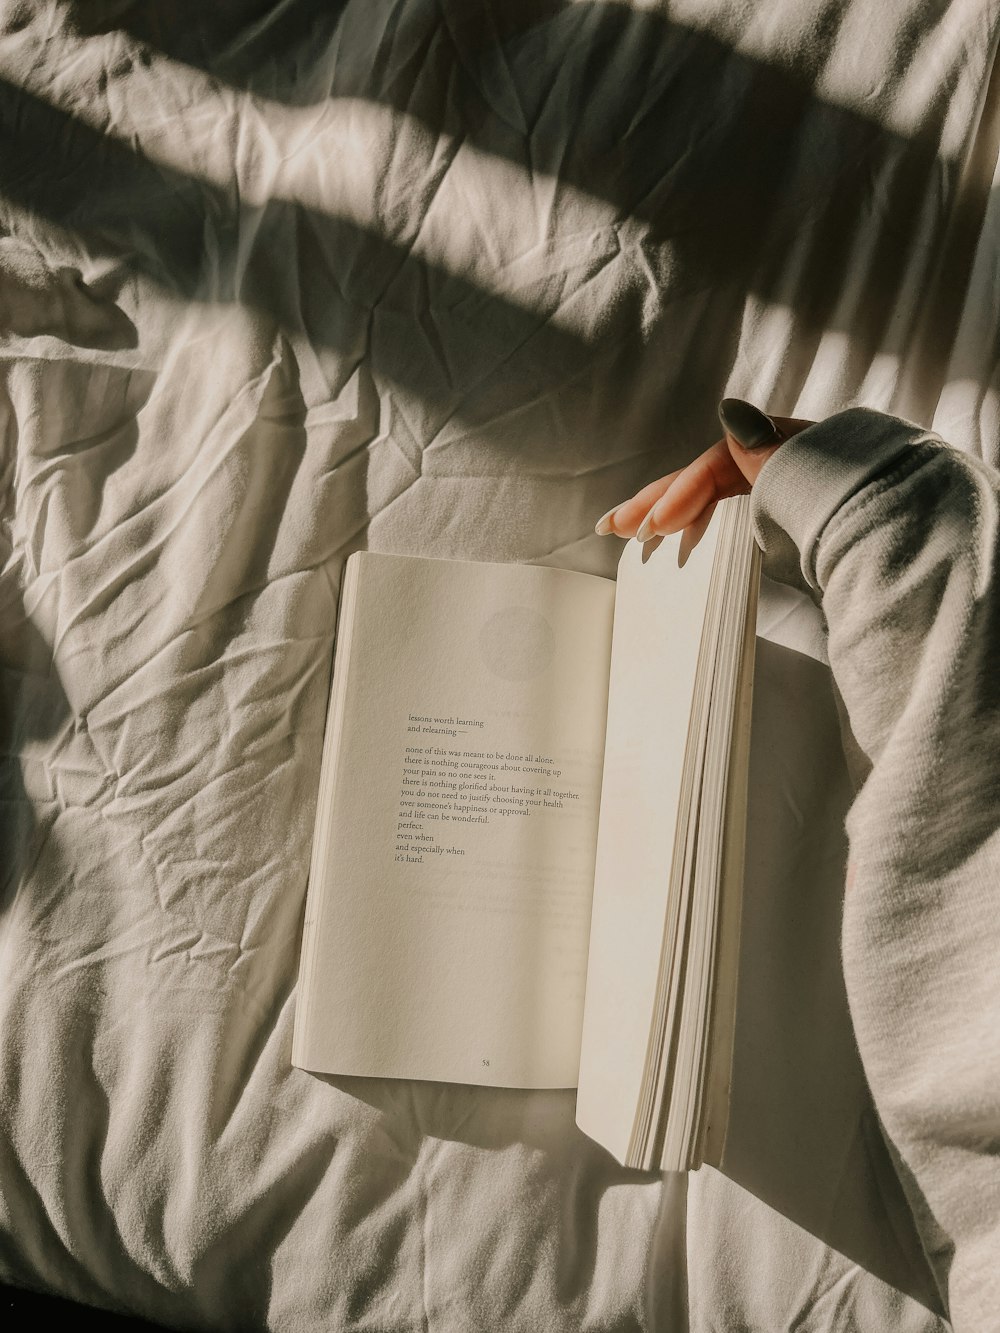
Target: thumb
x,y
750,462
752,436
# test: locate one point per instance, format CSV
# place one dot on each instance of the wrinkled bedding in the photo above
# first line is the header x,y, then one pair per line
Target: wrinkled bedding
x,y
279,282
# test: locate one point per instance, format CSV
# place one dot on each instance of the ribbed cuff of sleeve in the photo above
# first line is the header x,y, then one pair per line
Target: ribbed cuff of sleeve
x,y
813,475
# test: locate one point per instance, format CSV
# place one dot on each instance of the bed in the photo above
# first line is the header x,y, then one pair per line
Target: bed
x,y
283,281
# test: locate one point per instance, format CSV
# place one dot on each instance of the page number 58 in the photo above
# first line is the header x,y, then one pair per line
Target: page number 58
x,y
486,1064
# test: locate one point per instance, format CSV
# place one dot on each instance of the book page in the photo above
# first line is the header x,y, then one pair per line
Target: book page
x,y
658,623
449,901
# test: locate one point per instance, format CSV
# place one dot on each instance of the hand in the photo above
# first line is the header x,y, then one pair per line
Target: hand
x,y
687,498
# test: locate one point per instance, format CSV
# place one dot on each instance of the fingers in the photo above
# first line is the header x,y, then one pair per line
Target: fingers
x,y
713,476
679,499
685,499
624,519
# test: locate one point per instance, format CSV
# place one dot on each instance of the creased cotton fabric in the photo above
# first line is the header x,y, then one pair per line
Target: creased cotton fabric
x,y
279,282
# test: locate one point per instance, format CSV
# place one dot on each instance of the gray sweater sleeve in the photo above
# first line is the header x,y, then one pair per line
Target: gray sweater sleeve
x,y
898,536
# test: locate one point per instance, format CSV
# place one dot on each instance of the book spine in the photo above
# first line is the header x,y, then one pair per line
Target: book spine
x,y
316,896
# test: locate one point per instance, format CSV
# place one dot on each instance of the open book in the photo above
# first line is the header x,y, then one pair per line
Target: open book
x,y
527,864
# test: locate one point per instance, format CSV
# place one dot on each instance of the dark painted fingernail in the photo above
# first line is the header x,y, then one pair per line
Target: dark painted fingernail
x,y
747,424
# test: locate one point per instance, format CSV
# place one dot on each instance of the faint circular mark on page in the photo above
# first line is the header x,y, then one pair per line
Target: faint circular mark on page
x,y
516,643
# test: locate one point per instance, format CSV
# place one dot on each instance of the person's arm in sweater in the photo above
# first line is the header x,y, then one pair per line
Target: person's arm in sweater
x,y
898,537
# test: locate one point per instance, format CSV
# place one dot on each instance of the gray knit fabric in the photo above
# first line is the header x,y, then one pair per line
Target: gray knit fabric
x,y
897,536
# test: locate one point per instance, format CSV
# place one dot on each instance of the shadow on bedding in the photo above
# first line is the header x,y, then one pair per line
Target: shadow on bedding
x,y
737,162
666,125
481,1117
38,299
804,1137
565,1163
33,708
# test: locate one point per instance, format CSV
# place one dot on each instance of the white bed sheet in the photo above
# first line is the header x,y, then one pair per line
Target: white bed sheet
x,y
279,282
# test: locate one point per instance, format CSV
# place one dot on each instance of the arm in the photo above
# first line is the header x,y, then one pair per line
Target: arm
x,y
898,537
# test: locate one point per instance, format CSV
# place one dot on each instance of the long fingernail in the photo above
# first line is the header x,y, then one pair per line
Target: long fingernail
x,y
603,526
748,425
687,545
646,528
